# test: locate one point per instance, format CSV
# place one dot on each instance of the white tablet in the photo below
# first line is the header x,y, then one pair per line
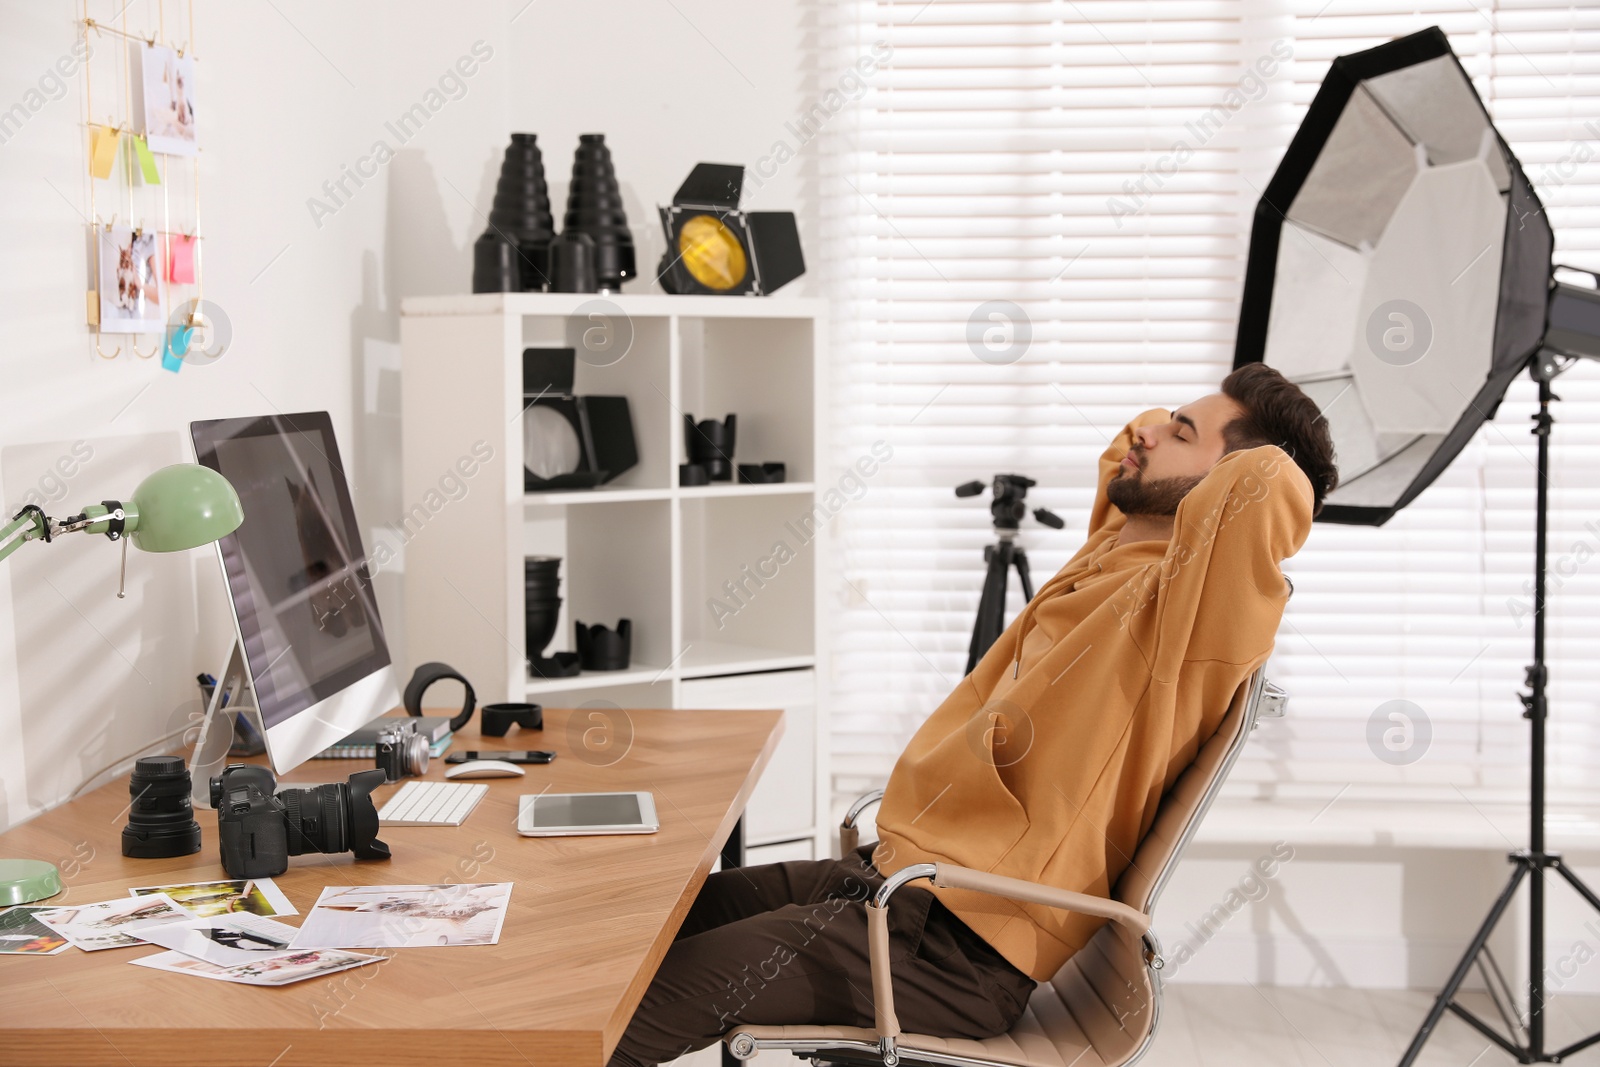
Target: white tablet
x,y
572,814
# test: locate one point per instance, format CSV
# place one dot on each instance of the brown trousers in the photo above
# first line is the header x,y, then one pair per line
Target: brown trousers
x,y
786,943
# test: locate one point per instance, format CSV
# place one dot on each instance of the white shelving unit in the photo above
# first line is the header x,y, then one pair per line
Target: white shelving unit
x,y
723,582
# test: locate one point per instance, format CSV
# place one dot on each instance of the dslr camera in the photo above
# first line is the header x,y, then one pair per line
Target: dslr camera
x,y
259,829
402,750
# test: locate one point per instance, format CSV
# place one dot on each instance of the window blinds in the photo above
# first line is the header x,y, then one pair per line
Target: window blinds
x,y
1093,167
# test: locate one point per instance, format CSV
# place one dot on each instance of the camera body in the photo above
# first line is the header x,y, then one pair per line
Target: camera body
x,y
252,829
401,750
258,828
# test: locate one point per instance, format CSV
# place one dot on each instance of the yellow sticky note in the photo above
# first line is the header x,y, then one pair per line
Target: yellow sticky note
x,y
103,150
147,162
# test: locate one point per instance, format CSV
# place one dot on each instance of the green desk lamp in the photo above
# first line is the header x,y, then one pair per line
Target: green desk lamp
x,y
178,507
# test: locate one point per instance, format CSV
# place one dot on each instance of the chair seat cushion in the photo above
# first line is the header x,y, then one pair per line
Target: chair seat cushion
x,y
1045,1036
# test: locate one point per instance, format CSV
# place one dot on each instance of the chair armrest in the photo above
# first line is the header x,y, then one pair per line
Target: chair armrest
x,y
956,877
849,836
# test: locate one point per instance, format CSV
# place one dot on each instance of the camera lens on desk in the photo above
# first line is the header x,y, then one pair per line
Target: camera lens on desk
x,y
160,819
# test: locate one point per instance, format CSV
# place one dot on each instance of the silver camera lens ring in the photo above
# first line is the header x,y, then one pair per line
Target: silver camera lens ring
x,y
416,754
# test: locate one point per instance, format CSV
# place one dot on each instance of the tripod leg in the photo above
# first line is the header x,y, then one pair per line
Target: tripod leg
x,y
990,623
1594,902
1448,993
1577,884
1505,1002
1020,558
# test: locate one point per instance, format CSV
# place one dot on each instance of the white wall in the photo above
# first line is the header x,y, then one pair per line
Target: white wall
x,y
288,94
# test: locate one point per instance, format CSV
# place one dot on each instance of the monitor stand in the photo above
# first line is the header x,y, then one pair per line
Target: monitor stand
x,y
223,729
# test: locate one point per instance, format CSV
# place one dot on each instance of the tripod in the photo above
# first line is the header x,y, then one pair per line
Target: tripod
x,y
1526,1042
1008,510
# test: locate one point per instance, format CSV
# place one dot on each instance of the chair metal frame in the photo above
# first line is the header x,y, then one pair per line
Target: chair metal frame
x,y
1263,699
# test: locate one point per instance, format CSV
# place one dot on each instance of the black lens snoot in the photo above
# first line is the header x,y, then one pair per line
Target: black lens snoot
x,y
594,207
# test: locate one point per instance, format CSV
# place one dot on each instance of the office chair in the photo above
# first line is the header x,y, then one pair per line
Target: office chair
x,y
1102,1008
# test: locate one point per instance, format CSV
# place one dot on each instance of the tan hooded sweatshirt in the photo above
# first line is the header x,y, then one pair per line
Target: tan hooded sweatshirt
x,y
1049,760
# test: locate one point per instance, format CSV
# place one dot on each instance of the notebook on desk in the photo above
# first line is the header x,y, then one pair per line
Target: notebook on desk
x,y
363,743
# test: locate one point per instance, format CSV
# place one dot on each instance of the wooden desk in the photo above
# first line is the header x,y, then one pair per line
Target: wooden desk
x,y
589,920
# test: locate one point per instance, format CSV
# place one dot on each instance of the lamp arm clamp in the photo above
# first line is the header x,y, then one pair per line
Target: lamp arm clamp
x,y
110,517
29,524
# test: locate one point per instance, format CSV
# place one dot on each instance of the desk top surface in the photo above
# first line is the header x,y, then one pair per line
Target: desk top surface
x,y
588,922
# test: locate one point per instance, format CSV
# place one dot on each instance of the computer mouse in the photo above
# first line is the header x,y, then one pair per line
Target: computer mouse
x,y
485,768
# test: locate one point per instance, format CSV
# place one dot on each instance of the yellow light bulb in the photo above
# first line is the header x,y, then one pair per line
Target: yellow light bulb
x,y
712,253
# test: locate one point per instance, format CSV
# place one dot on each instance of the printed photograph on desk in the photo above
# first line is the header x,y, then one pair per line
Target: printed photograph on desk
x,y
224,940
23,935
109,923
272,971
259,896
406,916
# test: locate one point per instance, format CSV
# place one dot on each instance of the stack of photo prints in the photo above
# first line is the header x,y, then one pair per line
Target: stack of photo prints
x,y
227,930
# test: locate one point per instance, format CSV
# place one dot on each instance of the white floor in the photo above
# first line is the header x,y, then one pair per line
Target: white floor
x,y
1261,1026
1246,1026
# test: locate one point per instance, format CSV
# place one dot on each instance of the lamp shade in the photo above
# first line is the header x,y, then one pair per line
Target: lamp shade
x,y
1399,269
183,506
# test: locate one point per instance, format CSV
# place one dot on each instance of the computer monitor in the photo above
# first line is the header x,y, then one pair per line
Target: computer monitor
x,y
298,582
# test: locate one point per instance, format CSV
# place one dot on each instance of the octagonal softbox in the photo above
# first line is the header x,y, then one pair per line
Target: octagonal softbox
x,y
1399,269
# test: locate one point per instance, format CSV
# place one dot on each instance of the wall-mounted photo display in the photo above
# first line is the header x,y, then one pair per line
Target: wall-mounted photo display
x,y
130,283
163,104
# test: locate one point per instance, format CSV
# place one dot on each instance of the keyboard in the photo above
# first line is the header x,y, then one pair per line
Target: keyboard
x,y
431,804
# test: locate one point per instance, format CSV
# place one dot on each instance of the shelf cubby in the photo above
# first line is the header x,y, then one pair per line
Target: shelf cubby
x,y
620,356
749,580
761,370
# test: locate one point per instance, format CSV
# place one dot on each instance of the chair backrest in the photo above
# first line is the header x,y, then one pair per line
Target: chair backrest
x,y
1109,998
1185,804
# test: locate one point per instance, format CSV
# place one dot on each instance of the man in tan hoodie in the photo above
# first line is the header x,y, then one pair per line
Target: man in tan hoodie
x,y
1047,762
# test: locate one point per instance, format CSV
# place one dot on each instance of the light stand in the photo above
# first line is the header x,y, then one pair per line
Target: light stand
x,y
1528,1046
1008,510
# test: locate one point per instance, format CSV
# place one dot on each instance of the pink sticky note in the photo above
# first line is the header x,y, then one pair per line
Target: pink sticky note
x,y
180,259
